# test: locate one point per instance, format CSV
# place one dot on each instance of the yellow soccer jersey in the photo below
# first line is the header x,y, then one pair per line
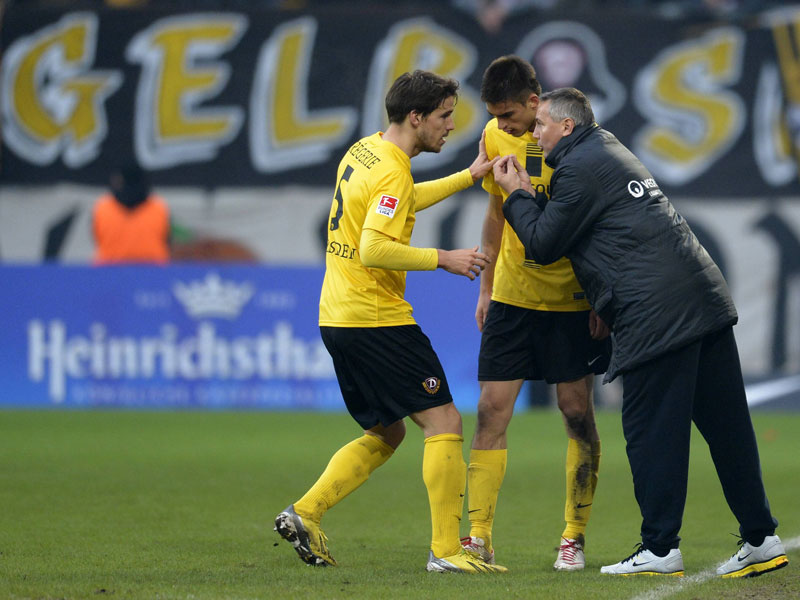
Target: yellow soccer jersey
x,y
374,190
517,280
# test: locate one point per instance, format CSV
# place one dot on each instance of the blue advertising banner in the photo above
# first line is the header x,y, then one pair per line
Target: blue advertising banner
x,y
197,336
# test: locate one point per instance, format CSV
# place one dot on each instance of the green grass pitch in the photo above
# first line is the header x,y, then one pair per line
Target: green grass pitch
x,y
108,504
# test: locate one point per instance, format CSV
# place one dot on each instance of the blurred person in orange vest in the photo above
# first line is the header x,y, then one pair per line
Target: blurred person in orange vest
x,y
130,224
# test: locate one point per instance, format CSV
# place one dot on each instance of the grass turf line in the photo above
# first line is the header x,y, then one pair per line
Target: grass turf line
x,y
180,505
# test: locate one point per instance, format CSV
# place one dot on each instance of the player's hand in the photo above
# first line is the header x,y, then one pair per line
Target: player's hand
x,y
481,165
466,262
597,327
511,175
482,310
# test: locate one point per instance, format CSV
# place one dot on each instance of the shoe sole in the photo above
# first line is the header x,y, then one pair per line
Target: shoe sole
x,y
754,570
294,533
436,568
568,567
648,573
440,566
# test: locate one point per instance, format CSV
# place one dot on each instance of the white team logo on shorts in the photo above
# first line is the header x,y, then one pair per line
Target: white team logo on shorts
x,y
431,385
387,206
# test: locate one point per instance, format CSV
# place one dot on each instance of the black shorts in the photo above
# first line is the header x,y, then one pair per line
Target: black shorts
x,y
520,343
386,373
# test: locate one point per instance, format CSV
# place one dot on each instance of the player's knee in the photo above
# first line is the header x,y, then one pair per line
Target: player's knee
x,y
573,410
573,402
392,435
439,419
452,418
493,414
578,418
395,435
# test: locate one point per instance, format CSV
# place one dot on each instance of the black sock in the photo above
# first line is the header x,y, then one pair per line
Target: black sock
x,y
659,552
756,541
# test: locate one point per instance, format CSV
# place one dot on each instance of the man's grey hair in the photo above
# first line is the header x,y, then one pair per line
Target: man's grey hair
x,y
569,103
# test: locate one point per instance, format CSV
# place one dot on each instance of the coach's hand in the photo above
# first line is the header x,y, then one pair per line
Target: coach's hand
x,y
467,262
510,175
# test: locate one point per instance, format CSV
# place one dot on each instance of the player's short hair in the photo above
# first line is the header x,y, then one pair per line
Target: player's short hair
x,y
509,78
420,91
569,103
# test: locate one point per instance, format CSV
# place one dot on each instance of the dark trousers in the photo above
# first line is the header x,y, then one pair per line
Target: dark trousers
x,y
701,382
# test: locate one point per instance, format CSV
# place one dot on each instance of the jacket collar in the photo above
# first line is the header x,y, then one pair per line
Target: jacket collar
x,y
566,144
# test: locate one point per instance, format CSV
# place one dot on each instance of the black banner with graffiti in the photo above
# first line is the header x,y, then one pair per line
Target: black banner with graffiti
x,y
268,97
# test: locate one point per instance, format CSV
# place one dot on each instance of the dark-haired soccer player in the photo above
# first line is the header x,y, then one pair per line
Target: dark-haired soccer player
x,y
385,364
535,323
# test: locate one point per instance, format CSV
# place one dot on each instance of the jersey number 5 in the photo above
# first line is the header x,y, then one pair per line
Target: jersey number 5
x,y
339,199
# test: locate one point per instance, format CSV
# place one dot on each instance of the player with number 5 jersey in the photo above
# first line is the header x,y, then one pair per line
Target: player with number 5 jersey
x,y
386,367
376,200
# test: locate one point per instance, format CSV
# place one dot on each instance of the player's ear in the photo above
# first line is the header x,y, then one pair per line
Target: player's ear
x,y
415,118
568,126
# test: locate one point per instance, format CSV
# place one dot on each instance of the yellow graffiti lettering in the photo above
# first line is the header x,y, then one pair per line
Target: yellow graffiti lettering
x,y
32,114
54,103
772,141
175,122
288,95
698,118
787,36
283,131
83,122
179,80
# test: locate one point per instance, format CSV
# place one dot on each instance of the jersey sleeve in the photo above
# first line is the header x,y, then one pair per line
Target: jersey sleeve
x,y
381,252
391,200
430,192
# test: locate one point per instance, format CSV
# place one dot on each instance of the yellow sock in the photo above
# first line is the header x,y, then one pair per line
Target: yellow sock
x,y
445,475
583,463
348,468
487,468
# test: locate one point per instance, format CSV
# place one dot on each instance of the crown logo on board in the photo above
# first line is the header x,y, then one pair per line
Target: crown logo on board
x,y
213,297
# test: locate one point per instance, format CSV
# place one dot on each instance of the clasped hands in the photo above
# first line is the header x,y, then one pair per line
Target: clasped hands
x,y
511,175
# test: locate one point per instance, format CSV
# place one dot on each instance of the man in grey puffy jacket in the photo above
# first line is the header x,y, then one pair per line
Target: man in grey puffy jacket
x,y
671,315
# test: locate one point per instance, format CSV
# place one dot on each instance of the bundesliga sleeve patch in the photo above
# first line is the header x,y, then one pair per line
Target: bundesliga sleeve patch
x,y
387,206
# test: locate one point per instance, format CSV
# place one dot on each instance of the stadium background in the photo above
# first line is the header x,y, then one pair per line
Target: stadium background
x,y
240,111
